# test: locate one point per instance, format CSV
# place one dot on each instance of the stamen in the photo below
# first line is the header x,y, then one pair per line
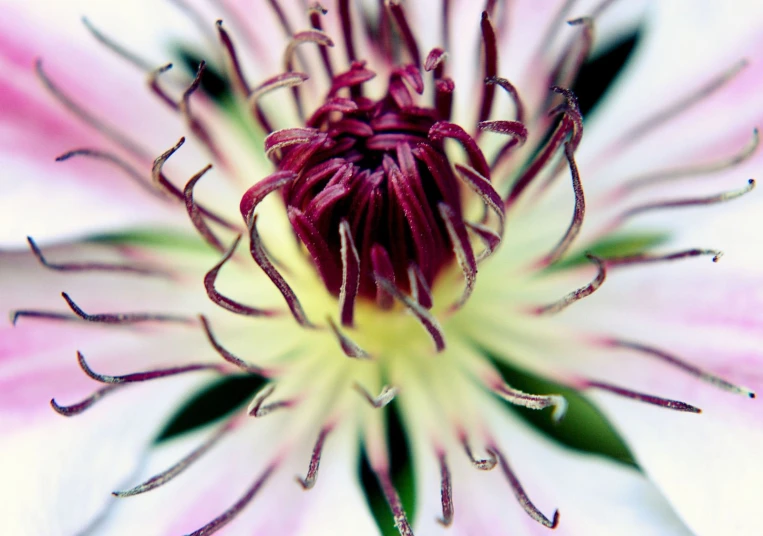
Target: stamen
x,y
520,494
229,357
260,256
261,190
320,38
645,258
393,500
350,274
513,93
446,493
111,158
434,61
445,24
686,102
284,22
236,73
641,397
79,407
489,238
227,516
315,11
482,187
426,319
420,291
577,217
163,184
46,315
398,13
124,318
90,266
682,365
661,177
490,44
346,18
223,301
485,464
257,408
386,395
443,129
580,293
463,250
142,376
195,214
697,201
115,47
349,347
575,53
526,400
283,80
315,460
443,98
382,265
183,464
86,117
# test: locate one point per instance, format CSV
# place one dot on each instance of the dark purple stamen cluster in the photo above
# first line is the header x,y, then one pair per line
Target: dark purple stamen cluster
x,y
379,166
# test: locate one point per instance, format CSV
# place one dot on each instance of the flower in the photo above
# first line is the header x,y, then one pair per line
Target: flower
x,y
415,232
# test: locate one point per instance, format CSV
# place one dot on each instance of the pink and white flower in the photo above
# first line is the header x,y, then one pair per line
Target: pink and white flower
x,y
404,217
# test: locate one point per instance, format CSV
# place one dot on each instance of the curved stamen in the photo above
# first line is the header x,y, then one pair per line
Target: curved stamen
x,y
194,213
682,365
120,163
46,315
183,464
446,492
426,319
520,494
420,291
283,80
349,347
398,13
318,37
641,397
386,395
315,11
115,47
483,188
161,182
444,129
223,301
236,73
526,400
489,238
393,500
463,250
382,265
661,177
229,357
483,464
490,51
227,516
580,293
645,258
697,201
261,190
260,256
350,274
142,376
577,216
513,93
88,118
124,318
258,407
435,60
90,266
315,460
79,407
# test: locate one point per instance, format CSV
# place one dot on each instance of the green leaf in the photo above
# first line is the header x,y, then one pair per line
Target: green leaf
x,y
153,238
617,245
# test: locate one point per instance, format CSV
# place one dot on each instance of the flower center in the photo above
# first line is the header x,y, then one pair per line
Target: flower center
x,y
378,167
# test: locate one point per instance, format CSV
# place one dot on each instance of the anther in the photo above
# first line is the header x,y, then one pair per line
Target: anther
x,y
183,464
229,357
79,407
446,492
641,397
580,293
349,347
490,51
228,516
124,318
520,494
386,395
315,460
142,376
393,500
519,398
115,47
258,408
483,464
646,258
89,266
